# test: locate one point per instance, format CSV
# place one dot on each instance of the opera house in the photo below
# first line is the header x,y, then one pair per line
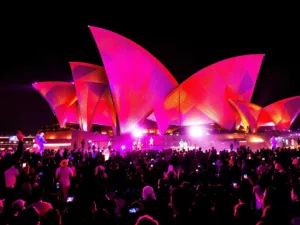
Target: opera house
x,y
134,90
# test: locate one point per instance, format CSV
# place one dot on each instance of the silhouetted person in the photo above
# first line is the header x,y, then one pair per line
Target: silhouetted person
x,y
13,159
82,144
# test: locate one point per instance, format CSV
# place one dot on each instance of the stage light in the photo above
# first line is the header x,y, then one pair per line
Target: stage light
x,y
257,140
123,147
137,132
145,131
56,144
196,131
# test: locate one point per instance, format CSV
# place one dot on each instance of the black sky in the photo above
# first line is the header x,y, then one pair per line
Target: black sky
x,y
38,47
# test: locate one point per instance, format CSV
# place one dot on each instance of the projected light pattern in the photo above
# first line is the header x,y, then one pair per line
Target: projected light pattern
x,y
152,117
282,113
248,112
137,79
105,113
133,84
203,97
90,81
61,97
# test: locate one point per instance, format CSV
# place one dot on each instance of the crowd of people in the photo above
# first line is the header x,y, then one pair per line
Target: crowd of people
x,y
150,187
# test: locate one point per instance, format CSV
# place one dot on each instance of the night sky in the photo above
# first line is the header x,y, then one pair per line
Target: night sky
x,y
38,48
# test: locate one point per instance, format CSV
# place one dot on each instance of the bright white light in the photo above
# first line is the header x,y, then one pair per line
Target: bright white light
x,y
257,140
185,145
196,131
137,132
84,125
123,147
90,141
271,124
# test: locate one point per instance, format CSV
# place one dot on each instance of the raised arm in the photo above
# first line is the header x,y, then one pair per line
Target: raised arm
x,y
13,159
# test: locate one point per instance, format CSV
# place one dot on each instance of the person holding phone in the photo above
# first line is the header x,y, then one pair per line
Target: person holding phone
x,y
63,176
7,166
13,159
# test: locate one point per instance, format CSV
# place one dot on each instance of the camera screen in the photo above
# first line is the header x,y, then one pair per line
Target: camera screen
x,y
133,210
70,199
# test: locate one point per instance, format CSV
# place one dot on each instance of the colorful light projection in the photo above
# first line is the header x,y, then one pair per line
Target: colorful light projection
x,y
90,82
280,114
203,97
61,97
137,79
133,77
248,113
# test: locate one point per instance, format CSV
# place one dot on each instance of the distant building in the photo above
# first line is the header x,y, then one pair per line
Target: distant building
x,y
133,88
10,142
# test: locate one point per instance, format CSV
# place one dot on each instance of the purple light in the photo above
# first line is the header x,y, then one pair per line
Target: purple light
x,y
123,147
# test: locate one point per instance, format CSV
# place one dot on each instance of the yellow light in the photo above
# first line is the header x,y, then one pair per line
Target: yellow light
x,y
256,140
57,144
